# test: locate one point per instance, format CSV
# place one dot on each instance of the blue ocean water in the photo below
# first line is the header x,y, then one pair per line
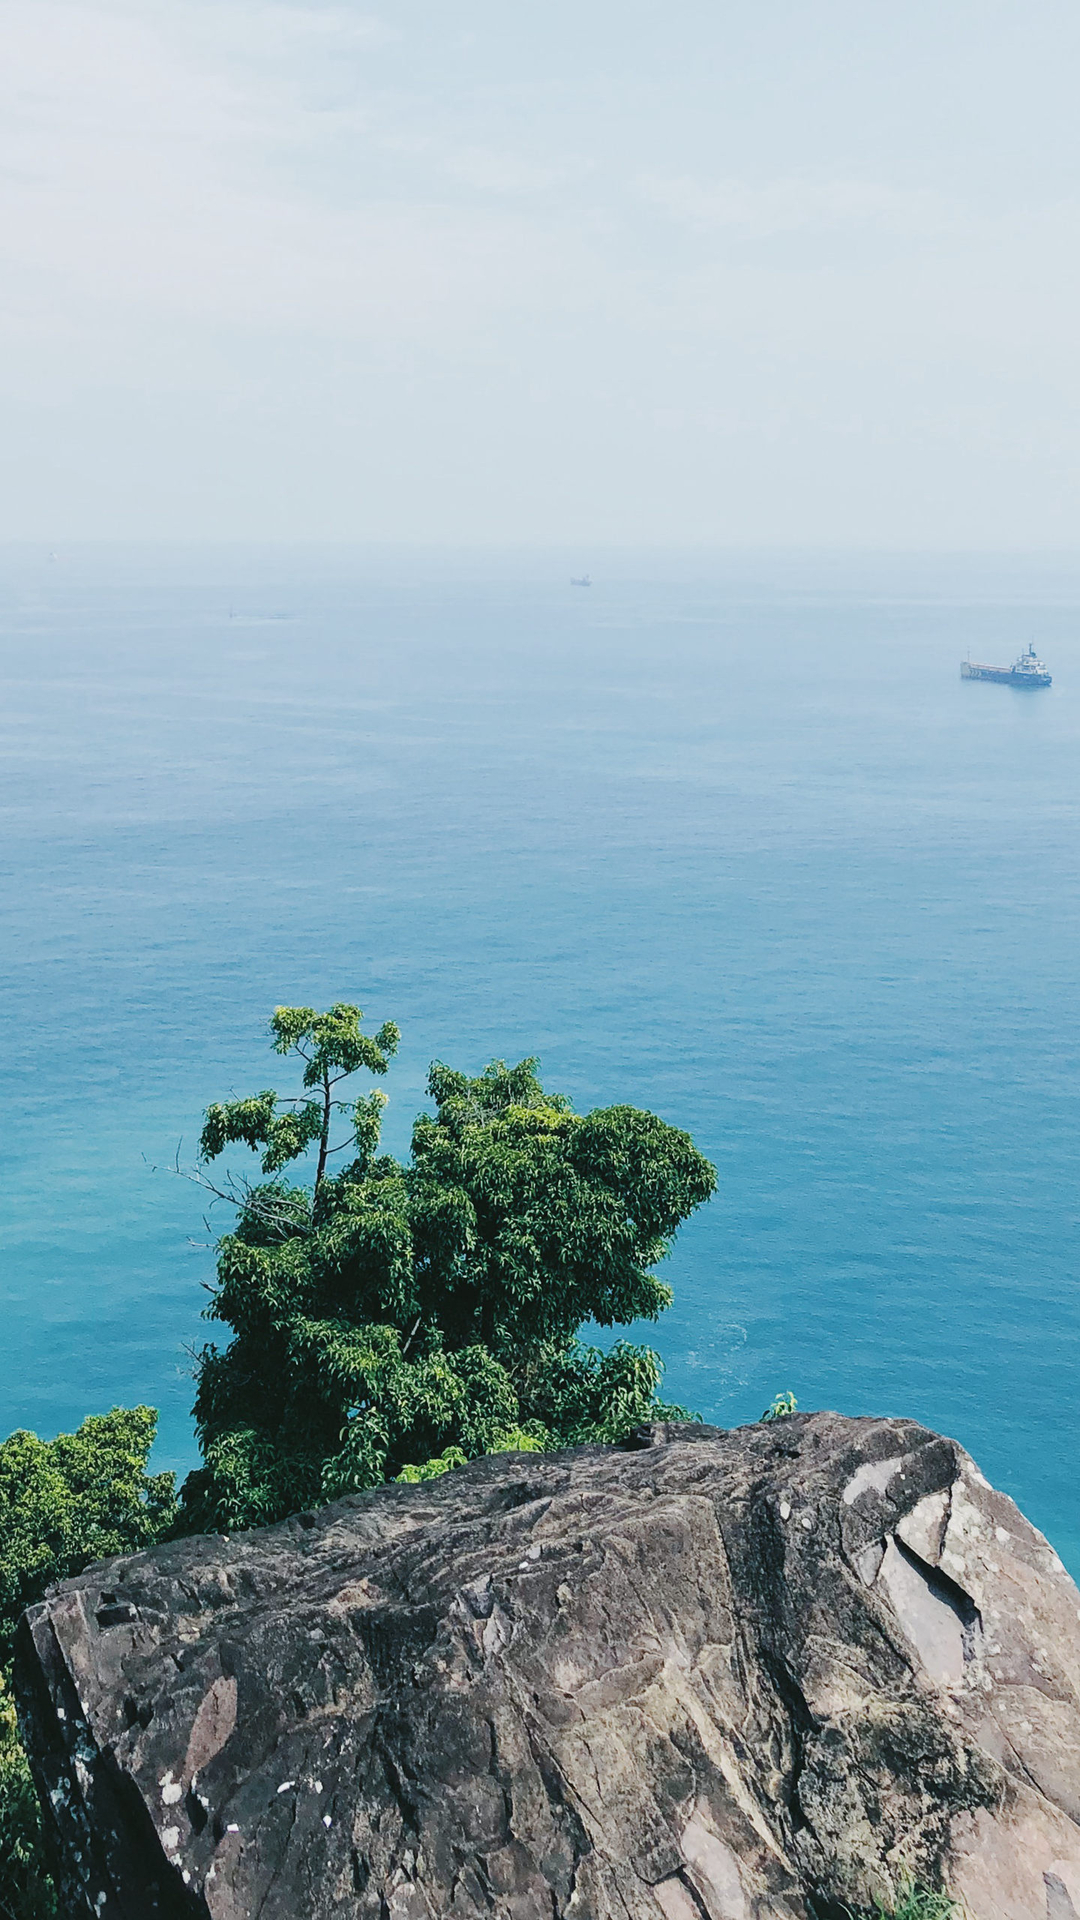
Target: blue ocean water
x,y
724,837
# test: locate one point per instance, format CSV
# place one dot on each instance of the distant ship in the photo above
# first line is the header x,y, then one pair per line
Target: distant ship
x,y
581,581
1025,672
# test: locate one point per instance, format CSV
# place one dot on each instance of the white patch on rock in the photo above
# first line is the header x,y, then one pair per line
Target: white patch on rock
x,y
868,1562
497,1633
873,1475
932,1626
714,1870
406,1902
923,1529
170,1839
675,1900
171,1790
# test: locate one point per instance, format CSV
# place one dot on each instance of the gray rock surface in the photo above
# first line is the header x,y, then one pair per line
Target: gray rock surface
x,y
753,1675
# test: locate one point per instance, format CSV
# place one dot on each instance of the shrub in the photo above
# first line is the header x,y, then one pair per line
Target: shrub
x,y
782,1407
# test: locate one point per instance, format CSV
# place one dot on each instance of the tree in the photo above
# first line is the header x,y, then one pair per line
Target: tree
x,y
63,1503
78,1498
388,1315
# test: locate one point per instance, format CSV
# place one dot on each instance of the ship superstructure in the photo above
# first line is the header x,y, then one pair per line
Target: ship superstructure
x,y
1028,671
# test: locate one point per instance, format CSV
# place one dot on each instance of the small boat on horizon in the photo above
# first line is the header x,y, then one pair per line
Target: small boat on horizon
x,y
1027,671
581,580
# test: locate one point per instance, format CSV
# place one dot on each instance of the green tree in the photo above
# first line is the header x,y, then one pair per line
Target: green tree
x,y
63,1503
388,1314
78,1498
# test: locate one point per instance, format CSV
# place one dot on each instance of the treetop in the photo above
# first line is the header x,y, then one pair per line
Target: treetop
x,y
332,1043
332,1047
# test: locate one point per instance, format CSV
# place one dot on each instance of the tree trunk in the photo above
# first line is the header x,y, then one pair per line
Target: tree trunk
x,y
324,1137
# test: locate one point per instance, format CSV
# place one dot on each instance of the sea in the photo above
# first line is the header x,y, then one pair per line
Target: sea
x,y
721,835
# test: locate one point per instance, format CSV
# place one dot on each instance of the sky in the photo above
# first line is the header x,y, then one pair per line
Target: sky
x,y
692,273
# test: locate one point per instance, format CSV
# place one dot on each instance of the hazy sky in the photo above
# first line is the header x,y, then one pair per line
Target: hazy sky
x,y
465,270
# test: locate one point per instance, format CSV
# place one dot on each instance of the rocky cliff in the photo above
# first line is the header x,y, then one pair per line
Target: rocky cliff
x,y
708,1676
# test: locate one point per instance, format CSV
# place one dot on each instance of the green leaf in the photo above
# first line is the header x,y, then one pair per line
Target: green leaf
x,y
784,1405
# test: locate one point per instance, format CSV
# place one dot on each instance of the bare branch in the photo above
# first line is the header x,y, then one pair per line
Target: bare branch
x,y
269,1209
195,1357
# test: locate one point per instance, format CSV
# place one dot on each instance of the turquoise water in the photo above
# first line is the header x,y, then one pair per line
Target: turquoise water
x,y
725,838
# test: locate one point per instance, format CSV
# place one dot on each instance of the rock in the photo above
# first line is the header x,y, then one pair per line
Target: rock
x,y
754,1675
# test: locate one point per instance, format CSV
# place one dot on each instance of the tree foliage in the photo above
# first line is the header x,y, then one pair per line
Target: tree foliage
x,y
63,1503
389,1314
78,1498
26,1889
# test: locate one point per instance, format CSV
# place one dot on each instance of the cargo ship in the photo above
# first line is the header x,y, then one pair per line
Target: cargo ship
x,y
1028,671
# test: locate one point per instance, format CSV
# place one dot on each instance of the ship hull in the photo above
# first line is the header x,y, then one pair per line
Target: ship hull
x,y
1005,676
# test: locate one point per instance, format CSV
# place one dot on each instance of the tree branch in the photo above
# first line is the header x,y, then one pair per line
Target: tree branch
x,y
237,1193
